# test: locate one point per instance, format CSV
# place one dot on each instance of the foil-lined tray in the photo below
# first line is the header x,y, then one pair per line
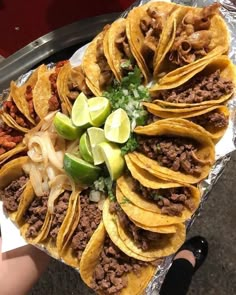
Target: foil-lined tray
x,y
223,148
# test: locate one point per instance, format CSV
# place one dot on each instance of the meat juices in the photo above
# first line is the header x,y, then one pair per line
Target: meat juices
x,y
9,138
108,277
11,195
90,218
171,201
177,154
59,213
35,215
198,89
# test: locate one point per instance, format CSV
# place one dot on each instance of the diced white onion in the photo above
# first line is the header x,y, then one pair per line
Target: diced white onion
x,y
94,196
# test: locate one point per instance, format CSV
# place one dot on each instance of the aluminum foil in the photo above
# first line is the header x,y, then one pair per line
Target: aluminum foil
x,y
223,148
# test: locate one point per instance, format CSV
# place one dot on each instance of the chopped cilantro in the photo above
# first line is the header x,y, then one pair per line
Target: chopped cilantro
x,y
105,185
157,197
125,201
129,95
130,145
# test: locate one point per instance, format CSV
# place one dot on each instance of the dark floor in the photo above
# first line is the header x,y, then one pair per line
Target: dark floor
x,y
217,223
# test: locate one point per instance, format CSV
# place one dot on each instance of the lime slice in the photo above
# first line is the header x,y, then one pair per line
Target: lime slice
x,y
80,112
96,136
65,128
99,109
85,148
117,126
81,171
114,161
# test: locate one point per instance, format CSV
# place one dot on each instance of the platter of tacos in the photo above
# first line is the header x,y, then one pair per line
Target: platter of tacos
x,y
102,164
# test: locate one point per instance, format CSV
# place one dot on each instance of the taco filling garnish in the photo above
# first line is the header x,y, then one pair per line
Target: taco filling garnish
x,y
198,89
90,218
9,138
171,201
59,213
193,36
35,215
29,98
109,275
177,154
11,195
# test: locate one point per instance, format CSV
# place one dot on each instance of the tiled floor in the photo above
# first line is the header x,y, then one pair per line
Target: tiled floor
x,y
217,223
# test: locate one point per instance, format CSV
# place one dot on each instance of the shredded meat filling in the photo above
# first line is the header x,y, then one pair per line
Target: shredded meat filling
x,y
90,218
35,215
59,213
109,274
106,75
151,26
171,201
9,138
77,84
214,119
193,36
29,99
11,195
177,154
198,89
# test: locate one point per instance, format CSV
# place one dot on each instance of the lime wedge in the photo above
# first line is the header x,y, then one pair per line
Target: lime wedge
x,y
117,126
96,136
80,112
85,148
99,109
65,128
81,171
114,161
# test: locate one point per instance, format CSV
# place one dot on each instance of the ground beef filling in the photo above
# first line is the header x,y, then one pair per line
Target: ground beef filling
x,y
35,215
9,138
77,84
198,89
142,238
59,213
90,218
11,195
106,75
214,119
29,99
171,201
54,101
108,277
10,108
177,154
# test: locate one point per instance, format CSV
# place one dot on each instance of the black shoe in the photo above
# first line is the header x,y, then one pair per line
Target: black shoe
x,y
199,247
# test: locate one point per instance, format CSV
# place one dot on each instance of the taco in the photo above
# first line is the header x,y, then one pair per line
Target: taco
x,y
106,269
14,187
98,74
80,230
201,34
45,94
175,149
209,85
144,243
144,28
177,204
10,142
118,52
70,82
213,119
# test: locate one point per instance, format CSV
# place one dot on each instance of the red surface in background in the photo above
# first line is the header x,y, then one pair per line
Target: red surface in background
x,y
22,21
